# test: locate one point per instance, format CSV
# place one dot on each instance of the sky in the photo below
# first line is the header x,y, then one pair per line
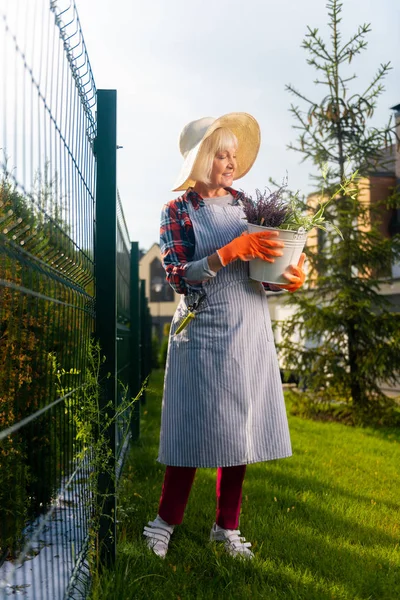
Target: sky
x,y
174,61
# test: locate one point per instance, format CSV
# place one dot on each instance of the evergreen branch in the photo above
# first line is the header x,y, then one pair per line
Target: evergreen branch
x,y
336,9
313,63
360,44
307,129
317,82
373,95
345,80
301,150
382,72
291,89
308,45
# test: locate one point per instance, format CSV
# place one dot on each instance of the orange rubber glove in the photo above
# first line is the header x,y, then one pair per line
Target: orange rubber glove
x,y
251,245
295,275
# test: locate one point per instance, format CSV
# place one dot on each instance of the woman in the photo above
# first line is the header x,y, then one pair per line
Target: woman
x,y
223,403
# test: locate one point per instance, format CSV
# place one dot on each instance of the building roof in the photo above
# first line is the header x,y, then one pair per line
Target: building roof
x,y
397,107
151,249
152,252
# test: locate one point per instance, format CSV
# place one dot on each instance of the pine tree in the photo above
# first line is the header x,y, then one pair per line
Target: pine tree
x,y
344,338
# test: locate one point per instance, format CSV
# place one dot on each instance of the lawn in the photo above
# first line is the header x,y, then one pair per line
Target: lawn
x,y
324,523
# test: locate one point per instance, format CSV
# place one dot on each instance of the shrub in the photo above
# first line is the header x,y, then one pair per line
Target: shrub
x,y
36,334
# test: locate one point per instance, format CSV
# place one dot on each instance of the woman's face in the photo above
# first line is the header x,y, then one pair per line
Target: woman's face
x,y
224,167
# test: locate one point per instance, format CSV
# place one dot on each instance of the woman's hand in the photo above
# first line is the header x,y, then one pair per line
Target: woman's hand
x,y
262,245
295,275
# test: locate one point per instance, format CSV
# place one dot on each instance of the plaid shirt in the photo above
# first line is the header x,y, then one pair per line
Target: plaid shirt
x,y
177,242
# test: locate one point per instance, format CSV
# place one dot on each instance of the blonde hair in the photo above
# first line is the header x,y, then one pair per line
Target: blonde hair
x,y
219,141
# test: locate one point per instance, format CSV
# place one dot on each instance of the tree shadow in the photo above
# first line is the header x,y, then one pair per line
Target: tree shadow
x,y
267,475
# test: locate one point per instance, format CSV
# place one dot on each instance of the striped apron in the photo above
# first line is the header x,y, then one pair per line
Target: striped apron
x,y
223,401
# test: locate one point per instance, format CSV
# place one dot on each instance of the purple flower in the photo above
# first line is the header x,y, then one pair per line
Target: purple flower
x,y
268,209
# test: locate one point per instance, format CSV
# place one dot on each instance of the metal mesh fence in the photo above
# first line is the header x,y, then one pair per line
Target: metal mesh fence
x,y
123,329
47,197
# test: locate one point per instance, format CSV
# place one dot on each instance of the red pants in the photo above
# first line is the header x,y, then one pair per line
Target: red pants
x,y
176,489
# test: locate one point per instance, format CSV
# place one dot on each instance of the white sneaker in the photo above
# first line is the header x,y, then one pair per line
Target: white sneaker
x,y
158,535
234,543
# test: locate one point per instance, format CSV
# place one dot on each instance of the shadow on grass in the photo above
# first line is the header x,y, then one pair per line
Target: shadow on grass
x,y
264,479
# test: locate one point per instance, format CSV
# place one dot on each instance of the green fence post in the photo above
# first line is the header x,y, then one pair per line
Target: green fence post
x,y
135,370
143,335
149,339
106,304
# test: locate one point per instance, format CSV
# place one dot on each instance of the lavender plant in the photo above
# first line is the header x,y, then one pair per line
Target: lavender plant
x,y
283,209
268,209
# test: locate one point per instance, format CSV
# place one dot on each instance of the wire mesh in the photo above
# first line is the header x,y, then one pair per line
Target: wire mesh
x,y
123,331
47,287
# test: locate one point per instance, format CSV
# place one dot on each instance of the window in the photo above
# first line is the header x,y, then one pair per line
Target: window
x,y
160,290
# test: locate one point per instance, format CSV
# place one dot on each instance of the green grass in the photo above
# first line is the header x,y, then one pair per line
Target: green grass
x,y
324,523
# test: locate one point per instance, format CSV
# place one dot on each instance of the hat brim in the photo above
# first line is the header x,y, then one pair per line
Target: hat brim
x,y
247,132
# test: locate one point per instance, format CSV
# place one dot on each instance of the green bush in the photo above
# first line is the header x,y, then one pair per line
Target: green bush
x,y
37,335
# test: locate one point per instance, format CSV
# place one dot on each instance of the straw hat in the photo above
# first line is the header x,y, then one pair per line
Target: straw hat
x,y
245,128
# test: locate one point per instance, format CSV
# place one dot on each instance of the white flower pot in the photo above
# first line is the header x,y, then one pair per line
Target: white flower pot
x,y
262,270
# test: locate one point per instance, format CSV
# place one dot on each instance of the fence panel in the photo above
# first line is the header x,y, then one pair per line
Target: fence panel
x,y
47,196
145,337
55,298
124,333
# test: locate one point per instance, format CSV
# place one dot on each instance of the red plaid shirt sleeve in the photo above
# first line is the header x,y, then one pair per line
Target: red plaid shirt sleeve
x,y
176,244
